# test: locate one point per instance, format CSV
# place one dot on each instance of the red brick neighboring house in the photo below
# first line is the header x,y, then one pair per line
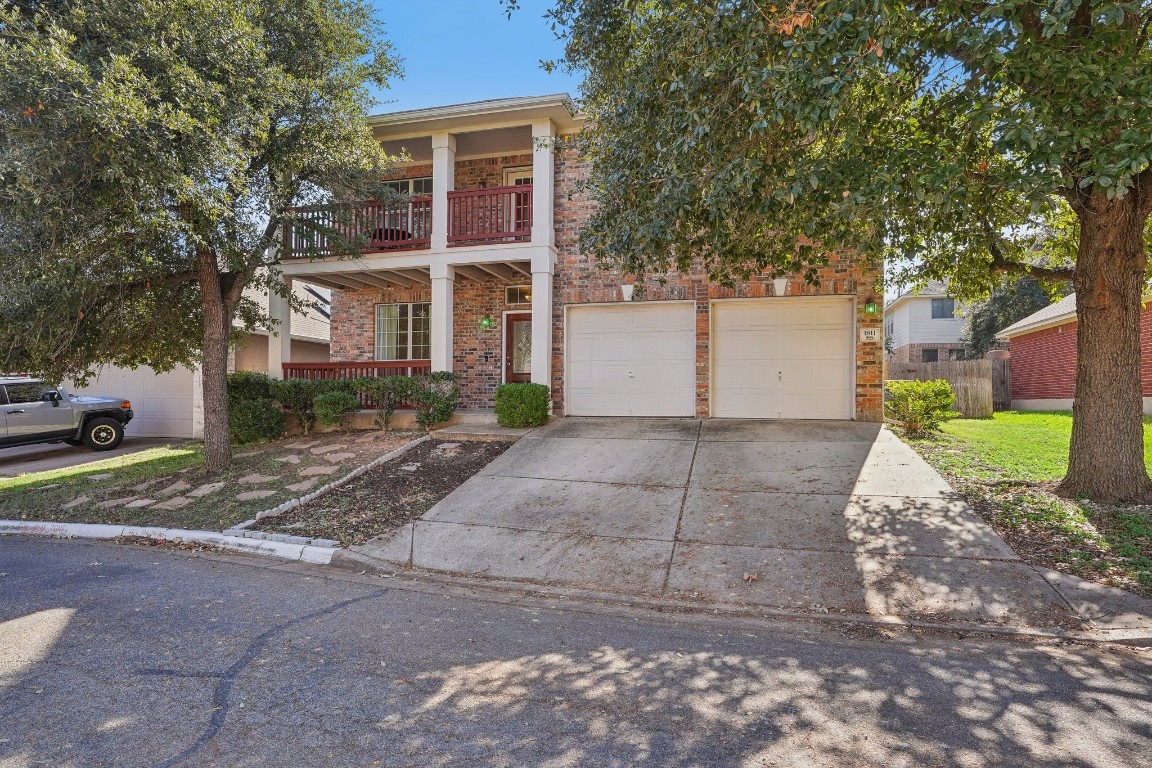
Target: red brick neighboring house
x,y
1043,347
480,273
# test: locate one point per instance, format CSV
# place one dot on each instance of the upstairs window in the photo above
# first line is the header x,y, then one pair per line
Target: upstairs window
x,y
943,309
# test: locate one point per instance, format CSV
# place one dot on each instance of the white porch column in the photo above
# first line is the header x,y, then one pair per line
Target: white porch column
x,y
543,182
443,182
443,281
280,337
542,269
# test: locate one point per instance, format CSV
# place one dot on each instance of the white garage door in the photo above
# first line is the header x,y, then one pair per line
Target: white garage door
x,y
632,360
162,403
785,358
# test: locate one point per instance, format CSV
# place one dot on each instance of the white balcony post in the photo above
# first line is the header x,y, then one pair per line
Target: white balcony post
x,y
280,337
443,281
543,181
443,182
542,269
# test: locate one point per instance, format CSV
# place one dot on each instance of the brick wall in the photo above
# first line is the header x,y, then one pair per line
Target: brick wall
x,y
579,280
910,353
470,174
1044,362
477,351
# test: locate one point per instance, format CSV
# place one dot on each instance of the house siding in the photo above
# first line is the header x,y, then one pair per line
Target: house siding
x,y
580,280
1044,361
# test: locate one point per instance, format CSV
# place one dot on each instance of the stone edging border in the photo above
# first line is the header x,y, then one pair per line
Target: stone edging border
x,y
302,500
235,539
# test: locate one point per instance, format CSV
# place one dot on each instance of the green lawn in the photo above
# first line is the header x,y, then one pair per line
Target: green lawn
x,y
1007,467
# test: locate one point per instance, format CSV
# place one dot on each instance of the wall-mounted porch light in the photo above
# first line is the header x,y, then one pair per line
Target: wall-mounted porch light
x,y
486,322
870,306
626,291
780,286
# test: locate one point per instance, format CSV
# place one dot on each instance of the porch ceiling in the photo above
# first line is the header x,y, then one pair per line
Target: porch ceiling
x,y
510,272
499,141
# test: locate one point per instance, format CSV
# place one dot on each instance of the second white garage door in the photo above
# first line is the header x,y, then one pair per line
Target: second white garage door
x,y
785,358
631,360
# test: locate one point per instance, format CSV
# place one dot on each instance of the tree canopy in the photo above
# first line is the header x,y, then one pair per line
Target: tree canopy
x,y
150,153
1008,303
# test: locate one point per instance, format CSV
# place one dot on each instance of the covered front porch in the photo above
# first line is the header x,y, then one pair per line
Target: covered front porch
x,y
483,313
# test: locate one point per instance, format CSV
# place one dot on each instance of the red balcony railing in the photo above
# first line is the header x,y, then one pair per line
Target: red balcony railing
x,y
475,217
371,369
492,215
372,226
357,370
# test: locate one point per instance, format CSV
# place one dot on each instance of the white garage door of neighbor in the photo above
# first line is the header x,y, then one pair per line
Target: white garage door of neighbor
x,y
162,403
785,358
632,360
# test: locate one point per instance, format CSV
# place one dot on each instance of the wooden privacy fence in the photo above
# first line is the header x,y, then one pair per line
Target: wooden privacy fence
x,y
981,386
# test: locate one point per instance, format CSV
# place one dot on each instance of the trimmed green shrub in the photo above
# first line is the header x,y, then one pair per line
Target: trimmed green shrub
x,y
333,409
256,420
249,385
919,407
521,405
435,398
297,395
386,394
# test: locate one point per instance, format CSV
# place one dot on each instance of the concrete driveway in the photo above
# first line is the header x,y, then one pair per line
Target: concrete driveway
x,y
821,517
38,458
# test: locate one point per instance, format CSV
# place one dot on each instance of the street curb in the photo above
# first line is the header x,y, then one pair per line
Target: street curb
x,y
356,562
308,497
307,553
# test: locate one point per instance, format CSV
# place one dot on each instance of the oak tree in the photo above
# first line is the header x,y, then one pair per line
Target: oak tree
x,y
151,153
760,135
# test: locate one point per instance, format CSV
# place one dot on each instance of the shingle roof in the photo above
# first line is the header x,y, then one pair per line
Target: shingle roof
x,y
1061,312
933,288
310,325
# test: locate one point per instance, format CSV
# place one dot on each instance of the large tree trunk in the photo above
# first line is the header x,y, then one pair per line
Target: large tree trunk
x,y
1106,459
214,379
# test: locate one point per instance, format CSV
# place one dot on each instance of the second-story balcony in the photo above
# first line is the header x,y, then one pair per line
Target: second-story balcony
x,y
475,217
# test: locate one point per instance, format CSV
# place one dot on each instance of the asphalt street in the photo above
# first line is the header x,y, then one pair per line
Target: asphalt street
x,y
119,655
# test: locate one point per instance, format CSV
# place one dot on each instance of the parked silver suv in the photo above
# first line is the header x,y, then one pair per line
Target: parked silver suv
x,y
33,412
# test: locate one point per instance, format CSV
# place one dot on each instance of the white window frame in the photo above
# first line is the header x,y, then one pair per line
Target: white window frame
x,y
377,347
408,183
509,288
510,175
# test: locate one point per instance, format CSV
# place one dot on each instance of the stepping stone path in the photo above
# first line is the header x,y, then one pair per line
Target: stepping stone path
x,y
256,479
98,478
174,503
205,489
250,495
301,487
115,502
409,467
147,484
178,487
327,449
76,502
291,458
139,503
369,438
447,450
337,457
311,471
303,445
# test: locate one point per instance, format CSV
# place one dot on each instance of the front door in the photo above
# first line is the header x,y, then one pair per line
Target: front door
x,y
518,347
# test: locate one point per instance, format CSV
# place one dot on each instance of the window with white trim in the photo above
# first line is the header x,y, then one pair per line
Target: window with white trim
x,y
418,186
403,331
943,309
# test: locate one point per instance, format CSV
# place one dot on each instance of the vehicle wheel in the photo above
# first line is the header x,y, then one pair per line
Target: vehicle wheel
x,y
73,441
103,433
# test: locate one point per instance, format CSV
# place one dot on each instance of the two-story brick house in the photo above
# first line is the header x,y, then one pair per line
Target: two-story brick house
x,y
479,272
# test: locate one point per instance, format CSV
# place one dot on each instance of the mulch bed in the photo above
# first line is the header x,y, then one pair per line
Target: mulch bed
x,y
389,496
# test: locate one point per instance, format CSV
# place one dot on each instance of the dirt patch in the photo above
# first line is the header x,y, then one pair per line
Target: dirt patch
x,y
392,495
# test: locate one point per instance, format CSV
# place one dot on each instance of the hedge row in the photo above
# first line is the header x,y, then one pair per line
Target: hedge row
x,y
253,397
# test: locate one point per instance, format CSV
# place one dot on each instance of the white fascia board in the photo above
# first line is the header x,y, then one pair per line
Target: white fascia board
x,y
481,115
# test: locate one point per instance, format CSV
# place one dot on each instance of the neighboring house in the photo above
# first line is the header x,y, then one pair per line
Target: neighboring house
x,y
1043,347
478,272
171,405
924,326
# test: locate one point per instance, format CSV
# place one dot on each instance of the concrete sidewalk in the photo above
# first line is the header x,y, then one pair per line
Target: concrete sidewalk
x,y
809,517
